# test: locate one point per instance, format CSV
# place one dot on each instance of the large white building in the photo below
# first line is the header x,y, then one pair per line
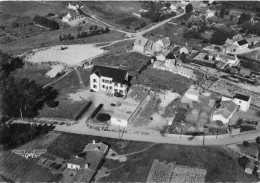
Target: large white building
x,y
109,79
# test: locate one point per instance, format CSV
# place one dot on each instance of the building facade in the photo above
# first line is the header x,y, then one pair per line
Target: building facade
x,y
108,79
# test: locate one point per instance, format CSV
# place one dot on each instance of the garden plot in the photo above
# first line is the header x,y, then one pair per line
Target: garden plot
x,y
71,55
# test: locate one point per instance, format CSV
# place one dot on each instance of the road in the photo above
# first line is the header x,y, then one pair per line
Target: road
x,y
138,34
213,140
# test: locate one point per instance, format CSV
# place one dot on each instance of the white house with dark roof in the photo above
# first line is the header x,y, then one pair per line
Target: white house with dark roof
x,y
243,101
230,60
242,44
109,79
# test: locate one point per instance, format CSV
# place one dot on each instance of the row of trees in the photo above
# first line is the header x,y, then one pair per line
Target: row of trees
x,y
16,134
83,34
52,24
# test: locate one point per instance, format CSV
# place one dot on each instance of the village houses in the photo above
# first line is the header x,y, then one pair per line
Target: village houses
x,y
72,17
109,79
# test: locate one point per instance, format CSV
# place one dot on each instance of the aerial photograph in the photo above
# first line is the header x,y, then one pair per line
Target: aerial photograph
x,y
129,91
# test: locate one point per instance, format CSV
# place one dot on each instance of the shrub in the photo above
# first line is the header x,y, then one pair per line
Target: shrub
x,y
206,57
246,143
219,123
103,117
50,14
52,103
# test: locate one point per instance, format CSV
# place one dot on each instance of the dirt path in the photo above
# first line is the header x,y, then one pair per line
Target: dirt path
x,y
57,79
80,79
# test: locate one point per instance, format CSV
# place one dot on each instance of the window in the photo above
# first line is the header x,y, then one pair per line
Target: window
x,y
116,90
103,86
94,80
121,85
116,84
94,86
110,87
240,101
121,91
103,80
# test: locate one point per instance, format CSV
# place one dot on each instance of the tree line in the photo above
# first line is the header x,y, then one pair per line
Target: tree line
x,y
52,24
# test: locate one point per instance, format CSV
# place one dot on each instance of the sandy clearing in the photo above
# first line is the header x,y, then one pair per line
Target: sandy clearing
x,y
167,98
73,55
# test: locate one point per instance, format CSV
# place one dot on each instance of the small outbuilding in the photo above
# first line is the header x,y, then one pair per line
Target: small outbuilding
x,y
249,167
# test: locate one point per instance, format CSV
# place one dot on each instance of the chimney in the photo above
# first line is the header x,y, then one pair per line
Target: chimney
x,y
94,142
76,156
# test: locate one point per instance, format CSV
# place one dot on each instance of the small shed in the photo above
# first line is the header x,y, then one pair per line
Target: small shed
x,y
249,167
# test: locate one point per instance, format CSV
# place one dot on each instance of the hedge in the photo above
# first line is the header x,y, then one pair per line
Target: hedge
x,y
85,108
96,111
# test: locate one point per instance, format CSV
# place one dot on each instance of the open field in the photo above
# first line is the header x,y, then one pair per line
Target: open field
x,y
160,80
67,108
11,10
15,167
118,13
51,38
250,150
72,55
219,163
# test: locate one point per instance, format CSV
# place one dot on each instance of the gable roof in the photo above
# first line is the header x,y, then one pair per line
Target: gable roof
x,y
153,39
117,75
242,97
140,41
165,40
226,108
242,42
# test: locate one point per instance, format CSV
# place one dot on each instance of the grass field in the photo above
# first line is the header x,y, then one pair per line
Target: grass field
x,y
220,165
67,108
160,80
254,55
119,13
13,9
52,38
251,150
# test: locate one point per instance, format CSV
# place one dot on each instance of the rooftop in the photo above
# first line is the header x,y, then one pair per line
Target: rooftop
x,y
140,41
242,42
117,75
242,97
244,71
153,39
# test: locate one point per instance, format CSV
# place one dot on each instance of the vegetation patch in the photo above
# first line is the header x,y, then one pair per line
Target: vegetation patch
x,y
103,117
163,80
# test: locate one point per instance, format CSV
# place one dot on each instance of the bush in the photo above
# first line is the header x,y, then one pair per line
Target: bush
x,y
52,103
219,123
14,25
246,143
206,57
103,117
242,161
52,24
50,14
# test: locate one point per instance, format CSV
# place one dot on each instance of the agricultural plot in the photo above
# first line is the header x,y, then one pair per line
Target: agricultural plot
x,y
160,172
184,174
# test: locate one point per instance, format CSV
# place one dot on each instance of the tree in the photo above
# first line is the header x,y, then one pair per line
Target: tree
x,y
188,8
168,5
222,13
243,18
8,64
219,37
24,96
